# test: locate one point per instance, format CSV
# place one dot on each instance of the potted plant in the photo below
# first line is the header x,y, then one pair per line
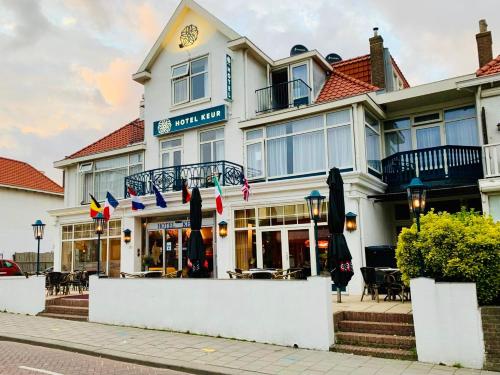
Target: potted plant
x,y
147,262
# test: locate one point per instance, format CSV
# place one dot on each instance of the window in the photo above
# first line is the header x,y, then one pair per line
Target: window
x,y
339,137
372,137
254,153
397,136
212,145
299,89
461,127
108,175
190,81
296,147
171,152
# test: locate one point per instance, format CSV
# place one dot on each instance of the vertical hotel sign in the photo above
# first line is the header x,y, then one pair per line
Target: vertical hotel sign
x,y
229,79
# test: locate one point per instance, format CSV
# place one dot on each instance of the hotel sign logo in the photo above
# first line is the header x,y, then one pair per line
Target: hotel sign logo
x,y
190,120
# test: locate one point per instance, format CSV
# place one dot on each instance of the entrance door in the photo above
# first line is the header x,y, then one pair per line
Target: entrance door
x,y
172,261
272,254
299,251
155,249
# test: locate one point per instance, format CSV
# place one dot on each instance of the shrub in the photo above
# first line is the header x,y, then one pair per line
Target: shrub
x,y
461,247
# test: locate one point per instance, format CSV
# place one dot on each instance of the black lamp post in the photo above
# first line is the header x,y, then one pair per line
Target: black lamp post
x,y
99,222
38,228
315,204
417,192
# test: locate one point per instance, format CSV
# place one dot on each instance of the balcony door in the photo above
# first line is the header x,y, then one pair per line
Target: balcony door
x,y
279,92
431,162
171,152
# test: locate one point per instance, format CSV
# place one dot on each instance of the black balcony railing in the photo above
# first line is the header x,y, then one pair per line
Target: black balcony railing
x,y
283,95
443,165
172,178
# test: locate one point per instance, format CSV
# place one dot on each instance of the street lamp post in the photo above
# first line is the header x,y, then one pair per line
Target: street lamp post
x,y
99,229
38,228
315,204
417,193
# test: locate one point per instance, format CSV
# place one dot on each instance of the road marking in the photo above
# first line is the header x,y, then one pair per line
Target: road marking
x,y
41,371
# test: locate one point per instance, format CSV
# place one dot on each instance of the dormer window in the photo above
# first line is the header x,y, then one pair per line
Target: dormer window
x,y
190,81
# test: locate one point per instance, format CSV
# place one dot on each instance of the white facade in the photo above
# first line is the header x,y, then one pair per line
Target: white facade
x,y
23,208
283,163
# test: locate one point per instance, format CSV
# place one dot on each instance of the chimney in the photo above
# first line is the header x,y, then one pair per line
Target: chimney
x,y
484,44
141,108
377,59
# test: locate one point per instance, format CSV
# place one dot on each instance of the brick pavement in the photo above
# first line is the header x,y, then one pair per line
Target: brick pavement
x,y
23,359
201,354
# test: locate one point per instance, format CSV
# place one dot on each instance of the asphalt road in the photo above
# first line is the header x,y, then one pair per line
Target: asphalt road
x,y
23,359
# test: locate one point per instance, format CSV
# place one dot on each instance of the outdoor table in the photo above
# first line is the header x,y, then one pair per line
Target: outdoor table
x,y
255,270
142,273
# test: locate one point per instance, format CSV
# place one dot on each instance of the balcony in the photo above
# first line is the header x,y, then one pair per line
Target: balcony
x,y
283,95
171,178
436,166
492,159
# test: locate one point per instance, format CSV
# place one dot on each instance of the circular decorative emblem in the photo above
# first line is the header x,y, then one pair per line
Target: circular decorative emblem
x,y
164,126
188,35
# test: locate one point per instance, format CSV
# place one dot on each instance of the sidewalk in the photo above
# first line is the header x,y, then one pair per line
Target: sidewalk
x,y
200,354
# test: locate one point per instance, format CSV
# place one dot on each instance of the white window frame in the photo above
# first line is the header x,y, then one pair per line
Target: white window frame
x,y
350,123
171,149
212,142
85,199
250,142
188,76
379,139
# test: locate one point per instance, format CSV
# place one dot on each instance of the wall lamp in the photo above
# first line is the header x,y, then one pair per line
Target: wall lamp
x,y
127,235
350,221
223,229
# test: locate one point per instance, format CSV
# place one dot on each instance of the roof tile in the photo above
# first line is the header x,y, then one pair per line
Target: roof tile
x,y
340,85
19,174
493,67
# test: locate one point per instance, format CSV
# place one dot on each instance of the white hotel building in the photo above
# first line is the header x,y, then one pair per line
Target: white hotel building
x,y
214,103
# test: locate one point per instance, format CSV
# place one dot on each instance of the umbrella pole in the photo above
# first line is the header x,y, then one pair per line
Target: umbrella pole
x,y
339,296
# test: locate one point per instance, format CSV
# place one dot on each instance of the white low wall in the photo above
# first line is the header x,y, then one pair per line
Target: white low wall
x,y
22,295
269,311
447,323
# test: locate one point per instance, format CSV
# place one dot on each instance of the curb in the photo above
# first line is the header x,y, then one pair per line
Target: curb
x,y
131,358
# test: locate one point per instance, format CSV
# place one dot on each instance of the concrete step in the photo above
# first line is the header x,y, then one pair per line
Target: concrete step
x,y
82,318
374,317
375,340
67,310
399,329
409,355
74,302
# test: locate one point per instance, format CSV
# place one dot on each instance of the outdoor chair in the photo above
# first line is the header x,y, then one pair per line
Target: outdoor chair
x,y
371,283
395,287
126,275
261,275
238,275
53,280
65,283
173,275
77,281
153,275
288,274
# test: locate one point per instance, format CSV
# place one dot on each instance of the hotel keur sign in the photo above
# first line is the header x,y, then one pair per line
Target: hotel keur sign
x,y
190,120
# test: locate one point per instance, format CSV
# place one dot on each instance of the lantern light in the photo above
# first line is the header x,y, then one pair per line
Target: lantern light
x,y
315,204
127,235
417,192
350,221
223,229
99,222
38,228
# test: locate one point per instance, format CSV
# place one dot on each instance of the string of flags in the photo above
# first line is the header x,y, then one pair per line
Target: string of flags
x,y
111,203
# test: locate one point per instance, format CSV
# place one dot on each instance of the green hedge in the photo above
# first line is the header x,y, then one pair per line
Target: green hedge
x,y
461,247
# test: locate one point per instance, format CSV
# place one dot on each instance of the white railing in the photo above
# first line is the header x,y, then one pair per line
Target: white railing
x,y
492,160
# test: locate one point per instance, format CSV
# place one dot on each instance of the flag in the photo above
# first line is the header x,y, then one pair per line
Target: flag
x,y
218,196
95,207
136,202
186,195
160,202
109,206
245,189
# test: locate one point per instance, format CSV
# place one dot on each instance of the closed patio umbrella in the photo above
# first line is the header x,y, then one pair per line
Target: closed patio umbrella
x,y
339,256
195,246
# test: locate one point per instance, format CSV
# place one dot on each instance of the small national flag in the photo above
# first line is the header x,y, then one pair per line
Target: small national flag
x,y
245,189
136,202
109,206
160,202
95,207
218,196
186,195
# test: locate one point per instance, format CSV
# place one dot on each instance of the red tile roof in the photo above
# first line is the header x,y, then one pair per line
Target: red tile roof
x,y
131,133
22,175
357,67
493,67
340,85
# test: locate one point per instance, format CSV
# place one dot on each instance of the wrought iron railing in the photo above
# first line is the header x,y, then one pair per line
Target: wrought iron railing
x,y
283,95
172,178
447,165
492,160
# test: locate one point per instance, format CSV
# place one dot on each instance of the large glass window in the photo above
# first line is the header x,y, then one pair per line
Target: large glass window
x,y
171,152
79,248
105,175
255,153
397,136
190,81
340,142
460,126
296,147
212,145
372,137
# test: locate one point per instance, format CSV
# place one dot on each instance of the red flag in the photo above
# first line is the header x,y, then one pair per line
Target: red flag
x,y
186,195
245,189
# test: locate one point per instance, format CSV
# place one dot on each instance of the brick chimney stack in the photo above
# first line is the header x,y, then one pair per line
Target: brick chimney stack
x,y
484,44
377,59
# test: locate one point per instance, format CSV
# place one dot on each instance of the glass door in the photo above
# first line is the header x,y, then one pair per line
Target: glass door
x,y
299,251
172,261
155,250
300,90
171,153
272,254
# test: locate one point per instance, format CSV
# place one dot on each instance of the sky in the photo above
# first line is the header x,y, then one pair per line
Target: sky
x,y
66,65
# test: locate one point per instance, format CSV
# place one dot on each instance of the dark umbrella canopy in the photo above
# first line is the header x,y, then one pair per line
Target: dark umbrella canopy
x,y
195,246
339,256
